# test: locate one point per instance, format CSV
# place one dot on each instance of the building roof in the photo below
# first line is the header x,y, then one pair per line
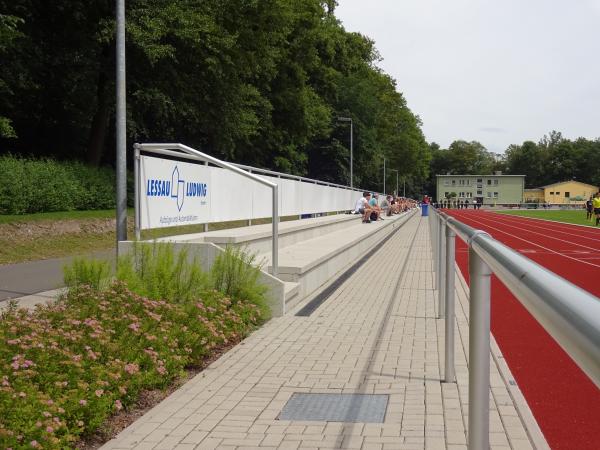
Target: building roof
x,y
489,175
568,181
533,189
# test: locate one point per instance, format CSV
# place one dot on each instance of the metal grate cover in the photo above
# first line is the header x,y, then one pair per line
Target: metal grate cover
x,y
336,407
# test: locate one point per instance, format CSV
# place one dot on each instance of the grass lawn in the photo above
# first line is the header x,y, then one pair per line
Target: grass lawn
x,y
568,216
41,240
61,215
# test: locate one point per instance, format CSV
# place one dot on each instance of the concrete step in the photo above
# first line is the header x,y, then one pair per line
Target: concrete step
x,y
313,262
257,238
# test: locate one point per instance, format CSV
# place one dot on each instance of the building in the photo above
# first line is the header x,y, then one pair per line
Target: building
x,y
486,189
564,192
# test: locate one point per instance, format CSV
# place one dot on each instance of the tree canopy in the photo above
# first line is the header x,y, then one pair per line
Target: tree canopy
x,y
255,82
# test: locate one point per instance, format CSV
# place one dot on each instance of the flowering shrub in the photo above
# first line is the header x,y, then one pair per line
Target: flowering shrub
x,y
66,367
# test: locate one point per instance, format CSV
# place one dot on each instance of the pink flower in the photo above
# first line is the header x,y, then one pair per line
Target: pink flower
x,y
38,424
132,368
83,402
34,444
99,392
118,405
134,326
161,370
46,414
22,394
49,402
15,365
49,430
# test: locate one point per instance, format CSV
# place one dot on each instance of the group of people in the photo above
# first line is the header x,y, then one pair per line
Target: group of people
x,y
458,204
371,208
593,208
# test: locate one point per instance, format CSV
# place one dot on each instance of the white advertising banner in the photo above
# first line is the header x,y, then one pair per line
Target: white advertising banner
x,y
180,193
173,193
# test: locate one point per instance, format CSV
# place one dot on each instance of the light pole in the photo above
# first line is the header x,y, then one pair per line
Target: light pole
x,y
121,158
349,119
384,193
396,170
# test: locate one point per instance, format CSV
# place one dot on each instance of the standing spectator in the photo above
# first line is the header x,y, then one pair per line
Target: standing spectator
x,y
596,204
589,206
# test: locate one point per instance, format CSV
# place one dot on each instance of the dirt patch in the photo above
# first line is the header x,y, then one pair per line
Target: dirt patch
x,y
38,229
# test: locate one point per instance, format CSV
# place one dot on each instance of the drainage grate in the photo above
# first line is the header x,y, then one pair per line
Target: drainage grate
x,y
336,407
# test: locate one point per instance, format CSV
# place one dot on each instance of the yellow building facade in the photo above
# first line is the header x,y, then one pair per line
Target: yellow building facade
x,y
565,192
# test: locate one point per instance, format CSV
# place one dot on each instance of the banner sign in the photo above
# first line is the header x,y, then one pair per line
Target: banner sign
x,y
173,193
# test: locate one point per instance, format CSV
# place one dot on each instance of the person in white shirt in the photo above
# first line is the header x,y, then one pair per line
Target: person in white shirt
x,y
362,207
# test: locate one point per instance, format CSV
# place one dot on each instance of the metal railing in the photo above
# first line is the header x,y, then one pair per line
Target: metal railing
x,y
183,151
569,314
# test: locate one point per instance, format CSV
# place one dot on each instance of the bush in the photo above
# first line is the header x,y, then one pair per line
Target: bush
x,y
94,273
66,367
157,272
30,185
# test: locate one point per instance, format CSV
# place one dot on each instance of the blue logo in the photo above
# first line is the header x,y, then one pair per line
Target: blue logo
x,y
176,188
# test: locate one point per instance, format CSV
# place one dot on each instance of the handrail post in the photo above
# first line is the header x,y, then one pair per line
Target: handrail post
x,y
137,193
275,245
434,247
479,352
449,291
441,265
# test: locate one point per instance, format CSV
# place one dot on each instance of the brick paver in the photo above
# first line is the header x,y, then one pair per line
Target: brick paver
x,y
378,334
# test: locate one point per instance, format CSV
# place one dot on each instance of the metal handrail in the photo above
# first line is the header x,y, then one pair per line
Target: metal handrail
x,y
568,313
190,153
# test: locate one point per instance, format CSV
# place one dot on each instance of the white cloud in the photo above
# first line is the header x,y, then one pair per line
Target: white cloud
x,y
525,67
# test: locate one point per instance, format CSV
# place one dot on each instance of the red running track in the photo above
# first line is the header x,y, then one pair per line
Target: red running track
x,y
564,401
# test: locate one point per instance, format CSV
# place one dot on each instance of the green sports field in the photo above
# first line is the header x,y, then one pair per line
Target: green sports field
x,y
568,216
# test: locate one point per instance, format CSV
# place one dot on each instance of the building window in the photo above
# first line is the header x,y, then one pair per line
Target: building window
x,y
469,195
446,194
480,180
557,193
479,193
461,194
551,193
446,182
453,182
496,182
489,195
468,182
489,182
567,194
495,195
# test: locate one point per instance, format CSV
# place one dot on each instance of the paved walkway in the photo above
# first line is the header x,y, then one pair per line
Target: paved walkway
x,y
377,334
34,277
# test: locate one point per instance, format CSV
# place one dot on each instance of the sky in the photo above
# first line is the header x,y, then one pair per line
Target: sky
x,y
495,71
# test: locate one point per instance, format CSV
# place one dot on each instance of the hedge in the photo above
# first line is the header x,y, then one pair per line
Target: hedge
x,y
29,185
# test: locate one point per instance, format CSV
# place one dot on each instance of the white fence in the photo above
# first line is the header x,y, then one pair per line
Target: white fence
x,y
172,192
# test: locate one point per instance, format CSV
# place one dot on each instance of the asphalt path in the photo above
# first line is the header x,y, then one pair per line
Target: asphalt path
x,y
19,280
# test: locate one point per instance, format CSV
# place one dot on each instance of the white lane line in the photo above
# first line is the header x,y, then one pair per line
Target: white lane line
x,y
537,245
587,247
589,228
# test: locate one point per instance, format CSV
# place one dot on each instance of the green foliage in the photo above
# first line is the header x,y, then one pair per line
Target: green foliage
x,y
30,185
66,367
555,158
158,272
256,82
236,274
92,272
